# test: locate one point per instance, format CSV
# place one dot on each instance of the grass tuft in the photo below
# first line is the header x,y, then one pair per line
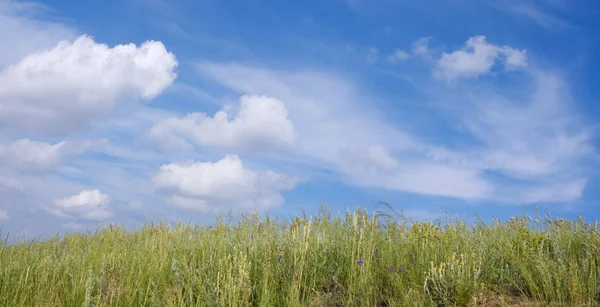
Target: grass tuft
x,y
354,259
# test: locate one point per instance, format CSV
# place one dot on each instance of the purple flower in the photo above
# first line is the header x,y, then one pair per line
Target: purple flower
x,y
279,257
391,268
401,268
360,261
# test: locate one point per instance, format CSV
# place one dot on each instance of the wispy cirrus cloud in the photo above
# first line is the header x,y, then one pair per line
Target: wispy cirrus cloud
x,y
335,127
540,12
534,141
11,184
31,156
25,32
527,131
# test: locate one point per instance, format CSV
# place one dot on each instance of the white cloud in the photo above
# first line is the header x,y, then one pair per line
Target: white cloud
x,y
88,204
445,180
398,56
536,11
373,160
37,157
535,141
261,122
4,215
222,185
538,137
56,91
375,167
31,155
381,158
565,191
421,46
514,58
328,112
478,57
337,130
11,184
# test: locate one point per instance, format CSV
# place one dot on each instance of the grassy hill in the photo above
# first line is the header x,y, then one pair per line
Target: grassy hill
x,y
352,259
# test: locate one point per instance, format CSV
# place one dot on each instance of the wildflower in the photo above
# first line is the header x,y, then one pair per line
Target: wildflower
x,y
360,261
391,268
279,251
401,268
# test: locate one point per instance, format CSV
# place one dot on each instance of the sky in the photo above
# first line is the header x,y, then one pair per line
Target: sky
x,y
133,111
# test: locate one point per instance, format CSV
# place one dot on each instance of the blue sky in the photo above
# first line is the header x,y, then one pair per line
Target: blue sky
x,y
133,111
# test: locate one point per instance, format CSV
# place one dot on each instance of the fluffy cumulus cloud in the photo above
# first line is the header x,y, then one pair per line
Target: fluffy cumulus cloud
x,y
64,88
260,123
54,85
91,205
478,57
222,185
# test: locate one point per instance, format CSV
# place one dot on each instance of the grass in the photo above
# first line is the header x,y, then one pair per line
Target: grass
x,y
352,259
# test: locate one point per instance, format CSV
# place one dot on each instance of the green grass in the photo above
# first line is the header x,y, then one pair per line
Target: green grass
x,y
353,259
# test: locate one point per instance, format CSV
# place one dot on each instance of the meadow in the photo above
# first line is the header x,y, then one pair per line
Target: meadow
x,y
354,258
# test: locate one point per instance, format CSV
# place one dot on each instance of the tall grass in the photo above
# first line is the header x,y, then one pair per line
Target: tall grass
x,y
354,259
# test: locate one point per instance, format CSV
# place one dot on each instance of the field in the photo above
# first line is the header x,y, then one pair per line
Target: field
x,y
350,259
